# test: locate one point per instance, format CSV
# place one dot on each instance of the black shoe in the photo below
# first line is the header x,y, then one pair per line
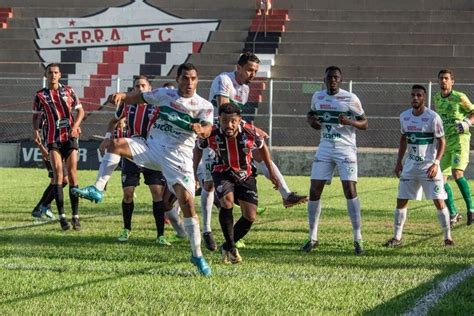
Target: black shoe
x,y
393,243
64,224
454,219
76,225
309,245
294,199
359,247
470,218
448,242
209,241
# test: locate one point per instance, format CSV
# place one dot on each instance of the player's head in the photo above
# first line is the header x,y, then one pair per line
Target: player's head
x,y
141,84
446,79
332,79
229,119
187,79
418,96
168,85
247,67
52,74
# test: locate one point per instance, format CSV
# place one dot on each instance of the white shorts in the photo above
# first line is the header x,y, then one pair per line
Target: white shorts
x,y
176,164
410,186
326,160
205,166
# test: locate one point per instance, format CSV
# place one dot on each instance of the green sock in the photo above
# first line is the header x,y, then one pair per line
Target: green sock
x,y
465,191
450,200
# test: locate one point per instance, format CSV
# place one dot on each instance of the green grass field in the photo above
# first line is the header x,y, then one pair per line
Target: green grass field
x,y
47,271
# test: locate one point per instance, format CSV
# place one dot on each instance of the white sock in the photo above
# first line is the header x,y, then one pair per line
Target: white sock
x,y
207,200
107,166
173,216
283,188
399,218
353,207
314,211
191,225
443,216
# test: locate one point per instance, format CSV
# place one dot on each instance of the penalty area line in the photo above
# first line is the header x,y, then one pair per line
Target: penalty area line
x,y
424,304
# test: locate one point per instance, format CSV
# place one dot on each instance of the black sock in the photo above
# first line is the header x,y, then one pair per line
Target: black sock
x,y
59,197
226,219
159,214
74,201
127,211
46,194
241,228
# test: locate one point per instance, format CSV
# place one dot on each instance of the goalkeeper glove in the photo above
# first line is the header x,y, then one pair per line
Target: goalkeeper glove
x,y
462,126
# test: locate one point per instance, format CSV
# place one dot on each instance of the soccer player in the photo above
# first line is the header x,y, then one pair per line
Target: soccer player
x,y
184,115
455,110
423,140
338,113
232,173
140,118
232,87
55,103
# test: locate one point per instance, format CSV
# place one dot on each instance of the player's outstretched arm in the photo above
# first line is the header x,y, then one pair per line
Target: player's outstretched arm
x,y
401,152
132,97
267,159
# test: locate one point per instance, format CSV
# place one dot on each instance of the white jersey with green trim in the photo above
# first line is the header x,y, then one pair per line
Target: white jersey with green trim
x,y
173,125
328,108
227,86
421,133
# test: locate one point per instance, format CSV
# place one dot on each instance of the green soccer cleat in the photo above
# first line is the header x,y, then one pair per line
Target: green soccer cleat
x,y
202,265
124,235
240,244
359,248
261,210
161,241
46,212
309,245
90,193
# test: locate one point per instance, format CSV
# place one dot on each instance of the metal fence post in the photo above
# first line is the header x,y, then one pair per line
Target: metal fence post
x,y
429,95
270,114
350,86
44,82
118,84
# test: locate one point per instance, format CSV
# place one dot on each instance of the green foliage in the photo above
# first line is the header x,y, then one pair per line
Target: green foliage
x,y
45,270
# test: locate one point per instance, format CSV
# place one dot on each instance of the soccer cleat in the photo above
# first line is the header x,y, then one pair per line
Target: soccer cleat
x,y
240,244
392,243
46,211
209,241
294,199
161,241
448,242
359,247
90,193
36,213
76,225
454,219
261,210
234,256
202,265
309,245
224,255
64,224
124,235
470,218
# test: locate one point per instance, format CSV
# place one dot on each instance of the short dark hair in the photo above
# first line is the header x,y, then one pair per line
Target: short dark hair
x,y
446,71
419,86
246,57
333,68
186,67
139,78
168,85
229,108
52,65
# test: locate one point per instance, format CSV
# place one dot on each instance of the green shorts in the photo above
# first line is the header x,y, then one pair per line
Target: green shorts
x,y
456,155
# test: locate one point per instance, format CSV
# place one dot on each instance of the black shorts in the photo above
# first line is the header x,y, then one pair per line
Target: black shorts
x,y
131,175
65,148
245,191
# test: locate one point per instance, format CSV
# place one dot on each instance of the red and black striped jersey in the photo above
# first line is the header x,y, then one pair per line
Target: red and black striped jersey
x,y
56,106
233,152
120,132
140,118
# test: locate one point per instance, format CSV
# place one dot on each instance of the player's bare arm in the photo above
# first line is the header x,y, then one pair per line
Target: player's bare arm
x,y
313,120
132,97
360,122
36,129
203,129
222,100
433,169
197,155
265,154
76,127
401,152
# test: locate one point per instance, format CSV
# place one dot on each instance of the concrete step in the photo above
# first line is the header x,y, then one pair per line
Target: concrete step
x,y
375,37
395,27
19,55
222,47
17,33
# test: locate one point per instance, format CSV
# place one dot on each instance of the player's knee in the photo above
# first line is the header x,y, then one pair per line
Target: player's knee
x,y
128,196
209,186
314,193
250,216
227,202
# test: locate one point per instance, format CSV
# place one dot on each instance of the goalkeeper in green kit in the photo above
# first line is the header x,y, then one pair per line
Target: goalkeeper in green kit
x,y
457,114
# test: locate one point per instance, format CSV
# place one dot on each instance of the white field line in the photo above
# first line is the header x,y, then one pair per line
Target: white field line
x,y
424,304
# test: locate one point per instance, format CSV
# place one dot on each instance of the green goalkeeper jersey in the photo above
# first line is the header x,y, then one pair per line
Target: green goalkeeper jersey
x,y
455,107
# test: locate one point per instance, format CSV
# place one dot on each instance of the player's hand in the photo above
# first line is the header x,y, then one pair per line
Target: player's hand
x,y
273,178
261,132
313,120
343,120
75,132
398,169
198,129
432,171
37,137
104,145
116,98
462,126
